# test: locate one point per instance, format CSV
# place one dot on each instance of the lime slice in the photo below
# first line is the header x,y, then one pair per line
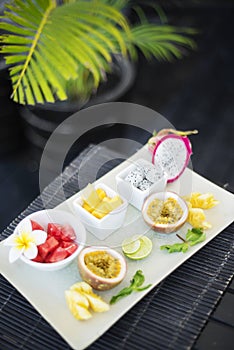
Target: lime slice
x,y
131,245
144,250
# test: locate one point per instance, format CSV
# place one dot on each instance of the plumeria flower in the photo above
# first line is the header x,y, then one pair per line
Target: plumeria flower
x,y
25,241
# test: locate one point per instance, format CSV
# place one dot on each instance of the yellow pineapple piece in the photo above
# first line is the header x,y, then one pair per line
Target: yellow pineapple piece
x,y
112,203
96,303
78,304
87,207
90,196
98,203
202,201
80,297
197,218
101,210
101,193
98,214
81,313
81,287
106,206
76,297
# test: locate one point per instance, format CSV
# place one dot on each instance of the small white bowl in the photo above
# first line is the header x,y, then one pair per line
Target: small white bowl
x,y
43,217
111,222
132,194
165,228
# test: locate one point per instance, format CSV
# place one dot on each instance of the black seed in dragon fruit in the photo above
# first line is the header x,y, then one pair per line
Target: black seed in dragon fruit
x,y
134,177
144,185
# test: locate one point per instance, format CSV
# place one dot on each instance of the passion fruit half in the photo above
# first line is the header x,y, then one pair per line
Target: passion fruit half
x,y
165,212
102,268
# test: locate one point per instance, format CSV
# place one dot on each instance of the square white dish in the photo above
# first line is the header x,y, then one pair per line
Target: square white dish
x,y
132,194
45,291
111,222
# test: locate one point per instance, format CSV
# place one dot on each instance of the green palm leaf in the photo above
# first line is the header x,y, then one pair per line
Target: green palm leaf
x,y
48,45
162,42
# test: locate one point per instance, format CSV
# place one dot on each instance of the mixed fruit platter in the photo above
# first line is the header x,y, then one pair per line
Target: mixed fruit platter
x,y
49,244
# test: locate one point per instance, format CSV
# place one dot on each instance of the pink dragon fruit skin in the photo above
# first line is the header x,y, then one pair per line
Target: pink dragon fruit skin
x,y
173,152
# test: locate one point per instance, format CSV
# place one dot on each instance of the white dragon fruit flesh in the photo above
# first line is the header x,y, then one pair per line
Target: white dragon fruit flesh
x,y
172,151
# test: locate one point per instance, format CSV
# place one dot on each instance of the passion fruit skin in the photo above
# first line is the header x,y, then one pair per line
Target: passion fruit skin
x,y
167,229
98,282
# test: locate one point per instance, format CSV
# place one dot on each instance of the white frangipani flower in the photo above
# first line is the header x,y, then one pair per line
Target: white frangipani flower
x,y
25,241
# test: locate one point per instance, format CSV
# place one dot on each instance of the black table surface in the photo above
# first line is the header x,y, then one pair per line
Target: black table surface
x,y
196,92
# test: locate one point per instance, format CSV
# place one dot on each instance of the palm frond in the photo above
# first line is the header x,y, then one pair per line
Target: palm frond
x,y
162,42
118,4
49,44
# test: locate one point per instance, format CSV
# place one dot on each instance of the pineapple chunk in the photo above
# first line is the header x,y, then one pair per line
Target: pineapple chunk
x,y
101,210
98,203
80,298
81,287
87,207
106,206
202,201
96,303
98,214
77,297
78,305
90,196
196,218
112,203
81,313
101,193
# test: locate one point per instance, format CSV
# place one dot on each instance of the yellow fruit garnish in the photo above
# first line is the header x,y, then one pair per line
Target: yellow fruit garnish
x,y
87,207
77,298
101,193
80,298
81,287
196,218
96,303
78,310
96,201
98,214
112,203
196,203
90,196
101,210
203,201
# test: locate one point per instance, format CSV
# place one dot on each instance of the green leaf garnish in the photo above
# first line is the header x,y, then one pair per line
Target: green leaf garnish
x,y
135,285
194,234
199,239
193,237
175,248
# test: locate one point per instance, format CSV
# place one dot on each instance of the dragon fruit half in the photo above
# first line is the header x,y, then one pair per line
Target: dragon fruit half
x,y
171,149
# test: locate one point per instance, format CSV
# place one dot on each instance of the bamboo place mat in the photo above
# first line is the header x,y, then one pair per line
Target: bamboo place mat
x,y
171,316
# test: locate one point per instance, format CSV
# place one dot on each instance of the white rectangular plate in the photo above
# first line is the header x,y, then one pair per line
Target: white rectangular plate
x,y
45,290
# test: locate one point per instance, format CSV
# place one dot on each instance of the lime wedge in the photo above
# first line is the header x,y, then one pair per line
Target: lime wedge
x,y
131,245
144,250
